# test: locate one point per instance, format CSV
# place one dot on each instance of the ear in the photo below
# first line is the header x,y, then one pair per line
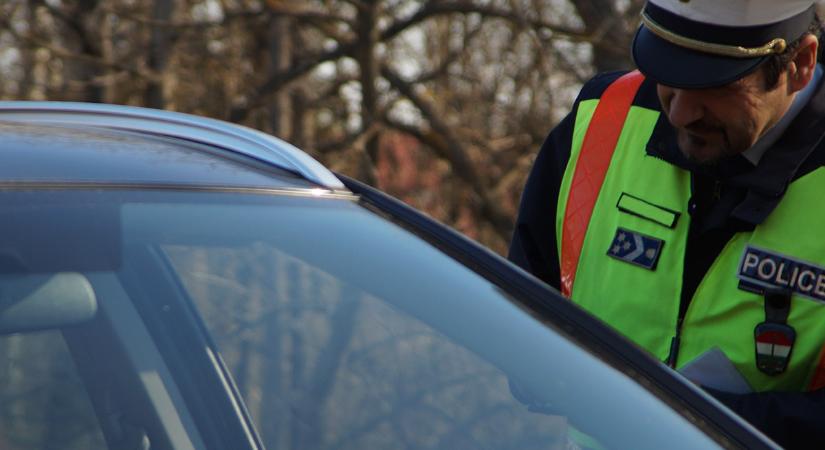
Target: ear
x,y
802,66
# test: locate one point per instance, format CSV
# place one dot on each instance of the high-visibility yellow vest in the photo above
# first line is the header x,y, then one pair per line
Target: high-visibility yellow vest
x,y
646,198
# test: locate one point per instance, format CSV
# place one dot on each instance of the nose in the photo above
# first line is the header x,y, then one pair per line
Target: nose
x,y
683,106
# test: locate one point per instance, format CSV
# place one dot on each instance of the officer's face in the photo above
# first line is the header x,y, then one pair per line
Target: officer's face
x,y
718,122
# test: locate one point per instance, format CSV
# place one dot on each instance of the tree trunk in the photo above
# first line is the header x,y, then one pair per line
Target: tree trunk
x,y
280,56
158,57
365,54
611,40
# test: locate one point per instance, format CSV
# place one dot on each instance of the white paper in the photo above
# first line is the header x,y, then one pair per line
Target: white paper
x,y
713,369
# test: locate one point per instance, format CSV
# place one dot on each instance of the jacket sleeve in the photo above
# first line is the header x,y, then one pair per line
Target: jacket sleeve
x,y
533,246
792,419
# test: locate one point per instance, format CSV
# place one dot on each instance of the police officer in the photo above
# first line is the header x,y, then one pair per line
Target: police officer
x,y
684,204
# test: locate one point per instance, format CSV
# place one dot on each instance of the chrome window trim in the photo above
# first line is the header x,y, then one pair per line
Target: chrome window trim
x,y
232,137
7,186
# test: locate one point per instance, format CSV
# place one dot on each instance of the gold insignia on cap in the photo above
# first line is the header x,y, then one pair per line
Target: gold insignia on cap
x,y
775,46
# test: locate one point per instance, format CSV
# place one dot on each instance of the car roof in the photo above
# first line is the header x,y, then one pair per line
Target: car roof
x,y
99,143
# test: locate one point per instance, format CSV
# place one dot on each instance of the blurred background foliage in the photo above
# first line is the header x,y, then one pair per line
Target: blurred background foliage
x,y
441,103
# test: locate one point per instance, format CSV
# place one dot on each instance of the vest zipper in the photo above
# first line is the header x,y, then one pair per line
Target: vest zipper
x,y
675,341
684,303
717,190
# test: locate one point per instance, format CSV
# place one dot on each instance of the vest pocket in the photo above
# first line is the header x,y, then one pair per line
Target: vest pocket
x,y
641,208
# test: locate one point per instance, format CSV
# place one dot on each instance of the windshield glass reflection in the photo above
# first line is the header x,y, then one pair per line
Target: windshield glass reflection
x,y
342,330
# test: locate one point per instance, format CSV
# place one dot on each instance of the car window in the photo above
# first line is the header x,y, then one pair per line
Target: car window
x,y
343,330
339,328
324,365
43,403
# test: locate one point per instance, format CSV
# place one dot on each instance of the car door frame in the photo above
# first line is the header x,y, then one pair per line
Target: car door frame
x,y
550,307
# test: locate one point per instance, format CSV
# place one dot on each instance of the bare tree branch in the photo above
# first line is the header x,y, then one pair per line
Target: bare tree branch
x,y
438,7
242,109
181,25
303,12
431,9
351,140
66,53
609,37
450,148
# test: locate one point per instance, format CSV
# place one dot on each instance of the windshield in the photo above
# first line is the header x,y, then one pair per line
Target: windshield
x,y
341,329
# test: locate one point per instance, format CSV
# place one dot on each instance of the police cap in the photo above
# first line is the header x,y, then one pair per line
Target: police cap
x,y
693,44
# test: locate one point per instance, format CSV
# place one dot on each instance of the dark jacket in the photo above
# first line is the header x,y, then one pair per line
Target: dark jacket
x,y
729,197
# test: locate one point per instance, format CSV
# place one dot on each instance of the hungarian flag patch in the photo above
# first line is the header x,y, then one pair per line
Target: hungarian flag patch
x,y
774,342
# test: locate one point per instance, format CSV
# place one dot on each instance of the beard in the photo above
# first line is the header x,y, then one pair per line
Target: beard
x,y
705,145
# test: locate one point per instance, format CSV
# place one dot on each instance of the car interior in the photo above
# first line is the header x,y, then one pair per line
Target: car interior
x,y
80,371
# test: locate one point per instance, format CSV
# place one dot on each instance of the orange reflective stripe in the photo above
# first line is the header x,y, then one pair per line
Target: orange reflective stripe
x,y
594,158
818,379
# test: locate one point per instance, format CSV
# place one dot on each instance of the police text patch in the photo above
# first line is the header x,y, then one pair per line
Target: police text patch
x,y
762,268
636,248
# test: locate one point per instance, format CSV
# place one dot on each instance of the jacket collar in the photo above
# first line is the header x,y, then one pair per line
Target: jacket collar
x,y
759,188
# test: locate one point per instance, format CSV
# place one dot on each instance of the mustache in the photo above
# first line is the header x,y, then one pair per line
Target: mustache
x,y
703,126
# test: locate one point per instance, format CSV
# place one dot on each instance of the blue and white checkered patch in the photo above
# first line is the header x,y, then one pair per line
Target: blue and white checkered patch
x,y
636,248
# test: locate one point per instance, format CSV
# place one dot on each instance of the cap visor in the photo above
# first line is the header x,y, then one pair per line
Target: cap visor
x,y
679,67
